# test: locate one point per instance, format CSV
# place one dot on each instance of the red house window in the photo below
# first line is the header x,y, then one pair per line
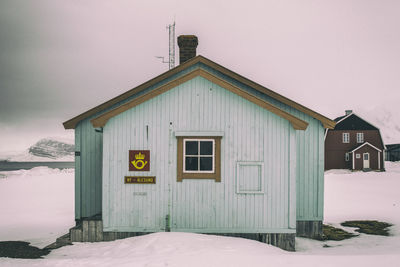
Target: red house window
x,y
360,137
346,137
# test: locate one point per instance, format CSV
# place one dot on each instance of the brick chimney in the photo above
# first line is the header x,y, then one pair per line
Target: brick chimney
x,y
348,112
187,47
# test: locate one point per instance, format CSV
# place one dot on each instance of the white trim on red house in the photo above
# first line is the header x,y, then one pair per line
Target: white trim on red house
x,y
352,113
379,160
366,143
346,138
360,138
346,118
326,131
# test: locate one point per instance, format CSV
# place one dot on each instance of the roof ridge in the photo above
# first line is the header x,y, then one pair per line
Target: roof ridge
x,y
297,123
326,122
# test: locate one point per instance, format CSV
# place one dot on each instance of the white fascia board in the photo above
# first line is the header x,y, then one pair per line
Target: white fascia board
x,y
379,160
326,133
345,118
366,143
358,117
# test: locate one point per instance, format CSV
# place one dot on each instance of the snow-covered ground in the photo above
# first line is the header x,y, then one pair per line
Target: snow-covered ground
x,y
37,206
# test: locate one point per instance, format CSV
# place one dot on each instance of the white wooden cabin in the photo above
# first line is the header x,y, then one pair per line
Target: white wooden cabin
x,y
199,149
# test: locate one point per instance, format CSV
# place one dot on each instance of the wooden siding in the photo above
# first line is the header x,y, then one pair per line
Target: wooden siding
x,y
251,133
78,200
335,149
309,159
88,175
392,153
375,158
296,122
310,173
88,171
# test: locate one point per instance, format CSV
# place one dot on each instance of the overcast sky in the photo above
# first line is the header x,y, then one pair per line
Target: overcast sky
x,y
61,58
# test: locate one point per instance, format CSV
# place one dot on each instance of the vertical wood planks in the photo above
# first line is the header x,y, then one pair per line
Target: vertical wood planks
x,y
250,134
78,201
310,149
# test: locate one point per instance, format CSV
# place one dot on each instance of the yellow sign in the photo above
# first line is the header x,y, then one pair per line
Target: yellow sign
x,y
139,163
140,179
139,160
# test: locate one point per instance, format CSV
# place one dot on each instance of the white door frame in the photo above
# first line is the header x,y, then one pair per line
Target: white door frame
x,y
366,162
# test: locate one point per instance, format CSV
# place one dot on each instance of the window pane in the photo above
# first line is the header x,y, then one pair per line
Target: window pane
x,y
206,164
206,147
360,137
191,163
192,147
346,137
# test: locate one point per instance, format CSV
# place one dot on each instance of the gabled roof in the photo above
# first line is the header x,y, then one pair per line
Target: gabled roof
x,y
340,118
343,119
366,143
326,122
297,123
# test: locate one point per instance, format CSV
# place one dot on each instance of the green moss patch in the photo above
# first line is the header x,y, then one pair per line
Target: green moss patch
x,y
333,233
369,227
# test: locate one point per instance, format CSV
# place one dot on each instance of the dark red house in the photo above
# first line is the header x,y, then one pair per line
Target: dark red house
x,y
354,144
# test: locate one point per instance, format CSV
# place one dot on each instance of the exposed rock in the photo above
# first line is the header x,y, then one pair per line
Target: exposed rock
x,y
53,149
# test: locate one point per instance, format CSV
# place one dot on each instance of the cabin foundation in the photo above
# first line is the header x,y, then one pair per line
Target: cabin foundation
x,y
309,229
91,230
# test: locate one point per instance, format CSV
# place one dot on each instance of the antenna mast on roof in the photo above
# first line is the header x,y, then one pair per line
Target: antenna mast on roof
x,y
171,30
171,54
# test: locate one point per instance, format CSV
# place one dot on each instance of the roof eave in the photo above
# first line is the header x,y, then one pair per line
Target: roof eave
x,y
71,124
297,123
327,123
364,144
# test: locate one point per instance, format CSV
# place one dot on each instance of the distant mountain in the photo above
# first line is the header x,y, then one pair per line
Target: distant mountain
x,y
53,149
47,149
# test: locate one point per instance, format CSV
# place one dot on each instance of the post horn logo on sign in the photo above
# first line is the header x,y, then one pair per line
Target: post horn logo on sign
x,y
139,160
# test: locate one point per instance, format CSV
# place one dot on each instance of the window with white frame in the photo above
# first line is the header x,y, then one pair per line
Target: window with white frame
x,y
358,156
347,156
360,137
198,155
346,137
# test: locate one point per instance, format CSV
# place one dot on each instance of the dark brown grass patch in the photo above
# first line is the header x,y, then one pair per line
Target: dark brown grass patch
x,y
369,227
333,233
21,250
